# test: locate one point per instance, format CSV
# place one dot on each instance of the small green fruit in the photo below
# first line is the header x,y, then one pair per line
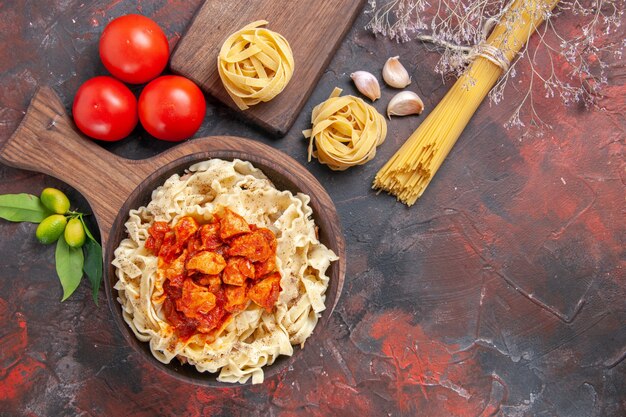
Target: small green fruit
x,y
55,200
74,233
50,229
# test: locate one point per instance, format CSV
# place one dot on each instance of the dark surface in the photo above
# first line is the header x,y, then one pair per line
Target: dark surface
x,y
501,291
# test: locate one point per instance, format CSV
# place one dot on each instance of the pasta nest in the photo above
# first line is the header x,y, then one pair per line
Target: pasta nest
x,y
255,64
345,132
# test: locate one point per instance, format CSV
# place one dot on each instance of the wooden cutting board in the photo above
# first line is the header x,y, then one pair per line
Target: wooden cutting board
x,y
47,141
314,29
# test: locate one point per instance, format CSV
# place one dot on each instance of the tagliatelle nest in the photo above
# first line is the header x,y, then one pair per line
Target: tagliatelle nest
x,y
255,65
346,131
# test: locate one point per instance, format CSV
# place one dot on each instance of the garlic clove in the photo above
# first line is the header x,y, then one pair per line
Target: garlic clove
x,y
367,84
394,73
405,103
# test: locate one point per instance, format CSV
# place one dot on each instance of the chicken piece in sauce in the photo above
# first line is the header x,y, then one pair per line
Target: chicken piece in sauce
x,y
236,299
232,224
175,268
195,300
210,236
156,234
269,237
253,246
261,269
185,228
265,292
237,270
206,262
212,282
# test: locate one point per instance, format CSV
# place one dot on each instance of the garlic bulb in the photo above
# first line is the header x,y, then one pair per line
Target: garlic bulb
x,y
394,73
367,84
405,103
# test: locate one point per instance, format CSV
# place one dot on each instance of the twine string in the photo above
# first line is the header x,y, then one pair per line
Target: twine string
x,y
492,54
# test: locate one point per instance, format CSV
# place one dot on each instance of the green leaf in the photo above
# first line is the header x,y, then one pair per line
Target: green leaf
x,y
69,265
22,208
93,265
89,235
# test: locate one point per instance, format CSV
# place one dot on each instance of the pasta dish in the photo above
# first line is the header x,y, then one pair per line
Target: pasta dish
x,y
222,271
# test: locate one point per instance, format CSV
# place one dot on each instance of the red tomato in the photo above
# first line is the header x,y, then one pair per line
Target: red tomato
x,y
134,49
105,109
171,108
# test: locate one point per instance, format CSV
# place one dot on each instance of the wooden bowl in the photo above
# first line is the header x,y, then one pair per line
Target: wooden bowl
x,y
46,141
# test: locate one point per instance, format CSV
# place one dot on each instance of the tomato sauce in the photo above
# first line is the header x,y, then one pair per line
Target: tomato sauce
x,y
213,270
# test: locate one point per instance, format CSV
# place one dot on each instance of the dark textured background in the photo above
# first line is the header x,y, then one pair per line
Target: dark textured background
x,y
501,291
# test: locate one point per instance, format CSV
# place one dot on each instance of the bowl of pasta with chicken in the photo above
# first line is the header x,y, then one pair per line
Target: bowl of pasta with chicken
x,y
225,264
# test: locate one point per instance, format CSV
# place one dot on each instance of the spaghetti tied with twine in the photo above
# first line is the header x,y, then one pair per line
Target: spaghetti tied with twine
x,y
409,171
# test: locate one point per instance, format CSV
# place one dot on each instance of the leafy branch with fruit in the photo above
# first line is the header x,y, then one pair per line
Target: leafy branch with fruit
x,y
77,252
135,50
